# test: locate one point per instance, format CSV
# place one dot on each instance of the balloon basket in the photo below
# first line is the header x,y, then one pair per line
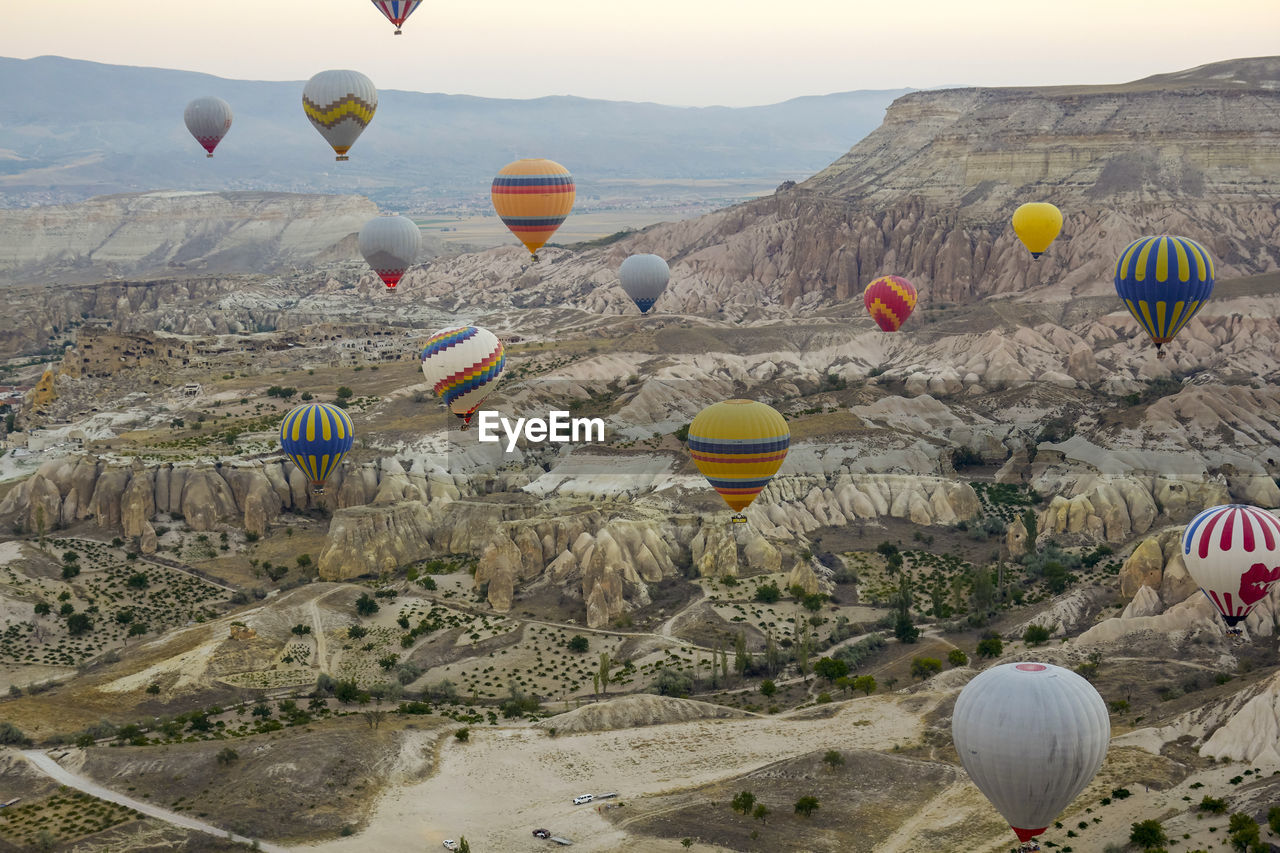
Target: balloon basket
x,y
317,490
535,257
341,157
738,519
464,427
1161,354
397,32
209,156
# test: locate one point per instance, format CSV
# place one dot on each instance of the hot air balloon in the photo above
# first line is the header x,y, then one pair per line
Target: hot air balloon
x,y
1233,553
462,364
533,198
739,445
208,119
316,436
1037,224
1164,282
889,301
340,104
1031,736
389,245
397,11
644,277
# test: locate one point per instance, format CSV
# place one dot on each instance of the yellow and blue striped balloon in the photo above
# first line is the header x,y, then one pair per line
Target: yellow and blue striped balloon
x,y
1164,281
316,436
739,445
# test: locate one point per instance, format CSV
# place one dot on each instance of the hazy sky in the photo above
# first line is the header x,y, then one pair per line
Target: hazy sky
x,y
733,52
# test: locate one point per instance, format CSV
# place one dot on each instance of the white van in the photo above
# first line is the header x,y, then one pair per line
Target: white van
x,y
583,798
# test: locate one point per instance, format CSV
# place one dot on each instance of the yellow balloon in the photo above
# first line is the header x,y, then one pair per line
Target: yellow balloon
x,y
1037,223
739,445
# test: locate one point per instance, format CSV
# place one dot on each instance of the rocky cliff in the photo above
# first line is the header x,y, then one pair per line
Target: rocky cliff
x,y
159,232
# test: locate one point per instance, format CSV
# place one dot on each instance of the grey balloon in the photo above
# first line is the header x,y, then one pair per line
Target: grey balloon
x,y
644,278
390,244
208,119
1031,736
340,104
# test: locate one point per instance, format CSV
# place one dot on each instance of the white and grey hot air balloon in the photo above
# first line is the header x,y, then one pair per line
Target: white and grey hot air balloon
x,y
208,119
390,245
1031,736
340,104
644,277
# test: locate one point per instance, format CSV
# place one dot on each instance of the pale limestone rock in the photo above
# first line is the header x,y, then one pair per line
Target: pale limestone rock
x,y
147,541
803,576
371,540
1082,366
762,555
207,500
1143,568
1015,538
1175,582
104,505
1146,602
137,503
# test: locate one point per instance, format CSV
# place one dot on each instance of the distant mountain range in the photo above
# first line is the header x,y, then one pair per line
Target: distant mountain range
x,y
72,129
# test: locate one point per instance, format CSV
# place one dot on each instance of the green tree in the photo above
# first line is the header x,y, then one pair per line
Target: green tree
x,y
388,661
740,659
744,802
1029,522
904,627
304,560
137,629
1243,832
345,393
686,843
990,646
1273,819
227,756
955,657
11,735
463,846
365,605
830,668
833,759
813,601
768,593
761,812
768,688
772,657
865,683
79,623
579,643
138,580
462,735
1147,834
806,806
604,673
923,668
983,597
43,608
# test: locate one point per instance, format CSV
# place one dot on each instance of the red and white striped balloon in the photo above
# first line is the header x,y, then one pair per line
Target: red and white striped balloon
x,y
1233,553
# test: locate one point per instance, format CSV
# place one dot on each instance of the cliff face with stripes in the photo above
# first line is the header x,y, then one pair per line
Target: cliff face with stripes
x,y
928,195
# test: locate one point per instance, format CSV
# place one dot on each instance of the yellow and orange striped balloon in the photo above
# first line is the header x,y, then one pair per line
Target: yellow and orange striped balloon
x,y
533,197
890,300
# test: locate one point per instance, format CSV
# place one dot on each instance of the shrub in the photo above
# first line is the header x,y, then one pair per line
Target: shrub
x,y
11,735
1036,635
1213,805
768,688
955,657
1147,834
923,668
990,646
768,593
365,605
462,735
805,806
579,643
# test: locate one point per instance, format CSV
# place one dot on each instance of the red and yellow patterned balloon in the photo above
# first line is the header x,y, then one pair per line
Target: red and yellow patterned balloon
x,y
890,300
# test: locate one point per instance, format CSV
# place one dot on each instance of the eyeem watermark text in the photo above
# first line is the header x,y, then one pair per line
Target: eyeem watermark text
x,y
559,428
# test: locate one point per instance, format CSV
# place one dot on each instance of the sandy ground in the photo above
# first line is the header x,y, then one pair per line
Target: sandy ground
x,y
506,782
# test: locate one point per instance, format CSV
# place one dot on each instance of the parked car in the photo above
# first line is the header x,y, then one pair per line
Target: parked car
x,y
542,833
450,844
583,798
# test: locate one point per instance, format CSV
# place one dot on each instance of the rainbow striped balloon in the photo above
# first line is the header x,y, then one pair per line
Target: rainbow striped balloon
x,y
533,199
1164,282
1233,553
462,364
316,436
739,445
890,301
397,11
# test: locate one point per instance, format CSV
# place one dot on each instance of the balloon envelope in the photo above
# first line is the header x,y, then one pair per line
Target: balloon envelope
x,y
890,301
644,277
1031,736
1037,224
1164,282
739,445
389,245
340,104
533,198
1233,553
208,119
316,436
462,364
397,11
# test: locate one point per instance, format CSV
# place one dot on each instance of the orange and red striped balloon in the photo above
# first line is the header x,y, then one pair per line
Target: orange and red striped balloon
x,y
890,300
533,198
